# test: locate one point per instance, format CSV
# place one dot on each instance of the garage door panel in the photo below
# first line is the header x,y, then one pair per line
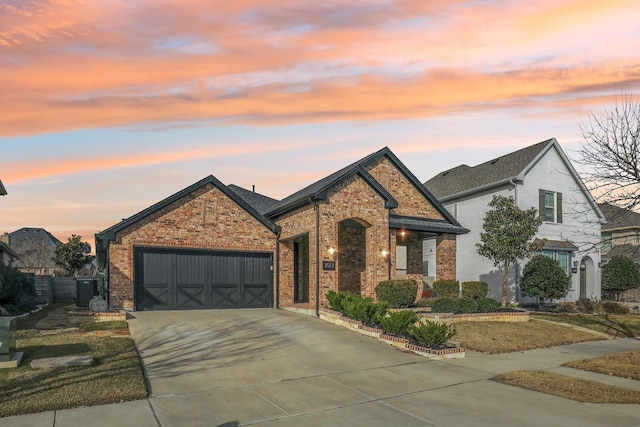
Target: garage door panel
x,y
193,279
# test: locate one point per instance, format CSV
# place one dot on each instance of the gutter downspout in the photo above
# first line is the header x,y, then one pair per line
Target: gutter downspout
x,y
317,208
277,267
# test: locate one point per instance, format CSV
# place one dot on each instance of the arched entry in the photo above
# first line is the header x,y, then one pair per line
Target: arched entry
x,y
586,276
352,254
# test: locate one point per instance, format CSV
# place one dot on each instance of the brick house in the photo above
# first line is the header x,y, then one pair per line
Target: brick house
x,y
216,246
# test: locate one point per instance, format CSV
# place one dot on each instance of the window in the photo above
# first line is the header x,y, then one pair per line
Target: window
x,y
550,207
607,243
401,262
561,257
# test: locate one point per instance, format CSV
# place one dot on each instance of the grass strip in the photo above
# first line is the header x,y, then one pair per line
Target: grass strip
x,y
568,387
104,326
618,325
506,337
624,365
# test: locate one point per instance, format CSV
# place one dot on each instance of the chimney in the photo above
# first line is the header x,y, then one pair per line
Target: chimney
x,y
4,238
253,188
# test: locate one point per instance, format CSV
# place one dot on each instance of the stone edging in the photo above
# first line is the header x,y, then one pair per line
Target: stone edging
x,y
401,343
76,316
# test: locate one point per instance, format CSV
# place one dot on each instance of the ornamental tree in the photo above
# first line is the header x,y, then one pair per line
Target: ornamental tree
x,y
618,275
507,230
543,278
72,256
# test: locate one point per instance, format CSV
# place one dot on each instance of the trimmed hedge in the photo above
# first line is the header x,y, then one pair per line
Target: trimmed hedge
x,y
475,289
397,293
397,322
446,288
443,305
465,305
487,305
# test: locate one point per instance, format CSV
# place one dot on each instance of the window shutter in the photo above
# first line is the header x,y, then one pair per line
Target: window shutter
x,y
541,203
559,208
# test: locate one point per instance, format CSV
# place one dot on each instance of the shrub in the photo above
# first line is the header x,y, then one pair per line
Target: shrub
x,y
543,278
487,305
443,305
586,305
466,305
364,309
618,275
475,289
397,293
16,288
612,307
424,302
338,300
568,307
446,288
431,334
397,322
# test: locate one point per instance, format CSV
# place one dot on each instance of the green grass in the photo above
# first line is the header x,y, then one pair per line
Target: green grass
x,y
618,325
104,326
116,375
505,337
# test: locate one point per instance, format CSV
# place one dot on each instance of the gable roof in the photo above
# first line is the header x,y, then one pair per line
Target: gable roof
x,y
110,233
318,191
259,201
3,191
36,233
464,180
619,218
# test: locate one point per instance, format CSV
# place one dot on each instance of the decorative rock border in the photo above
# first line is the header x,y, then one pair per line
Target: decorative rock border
x,y
500,316
85,316
398,342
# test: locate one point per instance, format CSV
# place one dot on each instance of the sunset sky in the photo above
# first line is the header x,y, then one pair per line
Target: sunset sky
x,y
108,106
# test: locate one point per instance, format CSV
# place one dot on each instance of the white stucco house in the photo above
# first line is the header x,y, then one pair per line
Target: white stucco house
x,y
539,176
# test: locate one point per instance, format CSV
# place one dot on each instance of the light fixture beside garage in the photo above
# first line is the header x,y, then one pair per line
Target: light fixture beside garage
x,y
332,251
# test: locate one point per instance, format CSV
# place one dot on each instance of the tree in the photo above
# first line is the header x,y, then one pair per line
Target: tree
x,y
618,275
34,255
507,230
71,256
609,151
543,278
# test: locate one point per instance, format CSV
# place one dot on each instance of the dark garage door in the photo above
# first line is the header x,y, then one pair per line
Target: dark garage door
x,y
170,279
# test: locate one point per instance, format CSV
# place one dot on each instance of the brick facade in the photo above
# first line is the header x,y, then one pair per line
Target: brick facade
x,y
204,219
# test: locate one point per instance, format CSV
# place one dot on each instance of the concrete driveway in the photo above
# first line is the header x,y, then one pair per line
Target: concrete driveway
x,y
277,368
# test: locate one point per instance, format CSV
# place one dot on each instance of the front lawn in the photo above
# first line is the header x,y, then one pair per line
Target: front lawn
x,y
505,337
116,375
618,325
625,365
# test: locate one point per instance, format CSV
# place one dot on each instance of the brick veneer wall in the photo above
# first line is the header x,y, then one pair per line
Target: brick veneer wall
x,y
203,219
446,256
352,256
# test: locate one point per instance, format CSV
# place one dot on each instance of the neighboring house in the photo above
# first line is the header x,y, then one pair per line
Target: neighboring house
x,y
3,191
539,176
35,248
217,246
7,255
621,236
621,233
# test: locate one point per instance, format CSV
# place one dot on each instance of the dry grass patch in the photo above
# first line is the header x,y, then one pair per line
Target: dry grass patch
x,y
505,337
116,375
625,365
567,387
618,325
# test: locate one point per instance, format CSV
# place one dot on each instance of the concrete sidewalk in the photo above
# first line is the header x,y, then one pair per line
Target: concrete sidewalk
x,y
276,368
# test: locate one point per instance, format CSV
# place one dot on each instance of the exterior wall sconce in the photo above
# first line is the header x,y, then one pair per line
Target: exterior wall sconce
x,y
575,262
332,251
403,233
384,253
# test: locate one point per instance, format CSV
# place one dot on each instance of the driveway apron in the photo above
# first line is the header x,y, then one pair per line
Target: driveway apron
x,y
274,367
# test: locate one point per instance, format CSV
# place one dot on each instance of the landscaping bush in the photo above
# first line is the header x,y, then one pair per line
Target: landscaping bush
x,y
618,275
397,322
431,334
586,305
465,305
16,289
487,305
613,307
364,309
424,302
543,278
338,300
397,293
475,289
446,288
443,305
